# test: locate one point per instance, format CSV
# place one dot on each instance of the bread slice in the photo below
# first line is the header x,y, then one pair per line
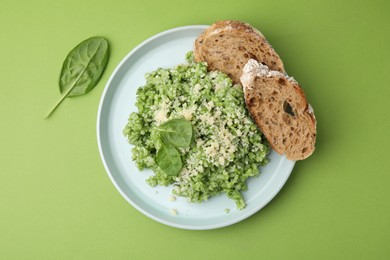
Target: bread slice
x,y
279,107
227,45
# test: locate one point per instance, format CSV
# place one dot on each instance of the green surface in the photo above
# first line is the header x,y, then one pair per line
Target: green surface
x,y
58,203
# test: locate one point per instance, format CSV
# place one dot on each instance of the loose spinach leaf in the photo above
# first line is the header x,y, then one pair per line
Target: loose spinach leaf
x,y
177,132
82,68
169,160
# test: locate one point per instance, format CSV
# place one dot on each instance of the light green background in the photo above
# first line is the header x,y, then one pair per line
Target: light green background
x,y
57,202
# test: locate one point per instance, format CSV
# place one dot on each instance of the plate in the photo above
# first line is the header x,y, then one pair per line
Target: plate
x,y
168,49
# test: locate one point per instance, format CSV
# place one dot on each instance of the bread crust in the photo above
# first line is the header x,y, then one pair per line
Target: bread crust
x,y
279,107
228,44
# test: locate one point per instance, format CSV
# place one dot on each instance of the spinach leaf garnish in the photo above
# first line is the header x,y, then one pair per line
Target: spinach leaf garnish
x,y
177,132
173,133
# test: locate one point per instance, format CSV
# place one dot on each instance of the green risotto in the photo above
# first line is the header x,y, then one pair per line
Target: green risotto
x,y
226,148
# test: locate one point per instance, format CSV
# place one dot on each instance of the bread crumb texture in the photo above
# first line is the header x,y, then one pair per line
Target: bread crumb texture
x,y
227,45
279,107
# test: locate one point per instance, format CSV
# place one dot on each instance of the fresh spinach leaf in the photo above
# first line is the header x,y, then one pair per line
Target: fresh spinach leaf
x,y
177,132
82,68
169,160
173,133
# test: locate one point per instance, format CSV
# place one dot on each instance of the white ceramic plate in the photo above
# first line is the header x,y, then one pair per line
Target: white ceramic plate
x,y
168,49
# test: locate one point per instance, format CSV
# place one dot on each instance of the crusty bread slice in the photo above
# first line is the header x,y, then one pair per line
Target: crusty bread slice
x,y
227,45
279,107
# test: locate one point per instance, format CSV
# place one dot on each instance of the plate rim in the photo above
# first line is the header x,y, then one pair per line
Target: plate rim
x,y
119,189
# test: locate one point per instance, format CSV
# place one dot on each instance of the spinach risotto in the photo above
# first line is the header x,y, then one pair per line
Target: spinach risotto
x,y
225,146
